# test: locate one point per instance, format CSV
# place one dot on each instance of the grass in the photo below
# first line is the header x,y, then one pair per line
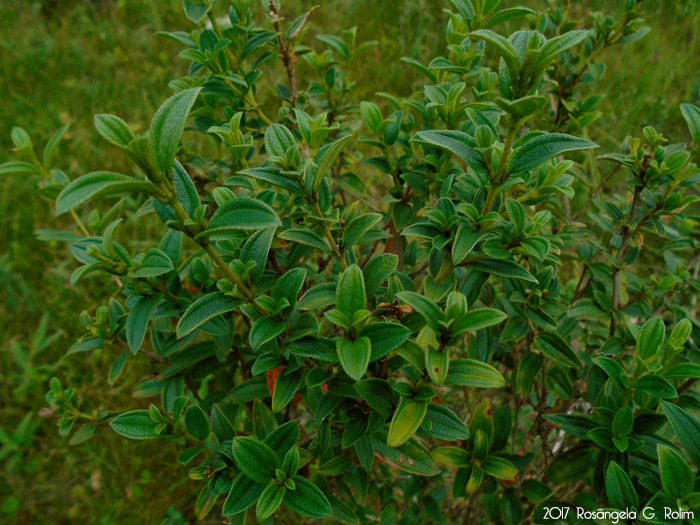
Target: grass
x,y
62,62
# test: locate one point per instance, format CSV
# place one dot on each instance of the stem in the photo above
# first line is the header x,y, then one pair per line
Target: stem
x,y
80,223
45,173
506,150
579,289
248,294
595,191
161,288
493,190
329,236
418,270
446,268
249,97
217,30
497,180
627,233
242,288
288,57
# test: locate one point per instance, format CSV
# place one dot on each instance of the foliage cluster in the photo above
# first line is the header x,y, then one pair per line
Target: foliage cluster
x,y
472,334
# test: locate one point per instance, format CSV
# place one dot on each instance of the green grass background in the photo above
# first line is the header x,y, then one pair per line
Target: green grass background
x,y
61,62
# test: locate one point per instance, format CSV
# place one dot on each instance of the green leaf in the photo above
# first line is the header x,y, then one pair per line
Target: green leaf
x,y
456,142
523,107
623,422
156,262
255,42
117,367
350,293
318,296
535,490
420,67
265,329
619,488
650,339
51,146
682,371
187,357
637,35
426,308
677,479
326,158
501,45
83,433
20,138
137,321
204,309
680,334
270,500
686,427
221,425
136,424
336,43
656,386
385,337
499,468
477,319
255,459
291,461
242,214
614,370
244,493
378,394
286,387
341,511
469,372
464,243
445,424
354,356
186,195
557,45
357,227
504,268
197,422
412,456
197,10
289,285
573,424
556,347
278,139
307,499
273,176
283,438
378,270
516,212
17,167
407,418
452,455
167,127
114,130
540,149
98,184
506,14
371,115
691,114
306,237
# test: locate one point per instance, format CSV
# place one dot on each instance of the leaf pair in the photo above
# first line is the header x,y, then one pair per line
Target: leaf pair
x,y
261,464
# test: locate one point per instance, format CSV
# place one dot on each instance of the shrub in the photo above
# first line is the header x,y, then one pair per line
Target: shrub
x,y
438,310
